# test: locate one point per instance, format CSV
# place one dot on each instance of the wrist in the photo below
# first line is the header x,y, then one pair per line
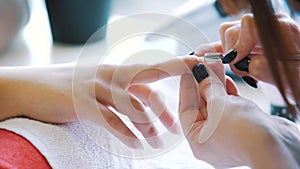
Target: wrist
x,y
268,149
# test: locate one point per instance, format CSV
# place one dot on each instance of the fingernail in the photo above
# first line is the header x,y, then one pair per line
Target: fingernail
x,y
200,72
192,53
243,65
250,81
230,56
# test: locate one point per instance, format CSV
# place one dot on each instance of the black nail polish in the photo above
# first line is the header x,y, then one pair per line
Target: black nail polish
x,y
250,81
192,53
200,72
243,65
230,56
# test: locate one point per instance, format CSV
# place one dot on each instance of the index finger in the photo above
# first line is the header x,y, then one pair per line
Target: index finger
x,y
248,38
174,67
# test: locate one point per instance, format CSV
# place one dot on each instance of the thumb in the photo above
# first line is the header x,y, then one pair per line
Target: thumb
x,y
189,104
213,93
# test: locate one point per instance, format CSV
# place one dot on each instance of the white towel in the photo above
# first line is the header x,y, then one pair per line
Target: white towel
x,y
68,146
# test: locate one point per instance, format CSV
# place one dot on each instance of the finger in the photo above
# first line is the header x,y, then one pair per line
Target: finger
x,y
153,100
222,30
211,90
248,38
218,69
119,99
259,68
119,129
174,67
189,103
214,47
213,86
224,33
231,36
231,87
127,104
150,133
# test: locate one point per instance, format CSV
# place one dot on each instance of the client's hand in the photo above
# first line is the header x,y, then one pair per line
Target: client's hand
x,y
51,94
226,130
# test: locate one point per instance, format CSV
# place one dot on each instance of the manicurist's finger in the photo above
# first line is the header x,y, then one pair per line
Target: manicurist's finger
x,y
212,91
248,37
189,103
214,47
223,30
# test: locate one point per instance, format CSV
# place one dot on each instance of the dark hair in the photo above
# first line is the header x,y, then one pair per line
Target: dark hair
x,y
279,52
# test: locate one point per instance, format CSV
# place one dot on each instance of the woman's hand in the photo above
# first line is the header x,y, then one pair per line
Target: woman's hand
x,y
226,130
45,94
243,37
96,93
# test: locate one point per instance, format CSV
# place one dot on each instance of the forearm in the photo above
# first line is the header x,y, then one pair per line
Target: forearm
x,y
33,93
11,97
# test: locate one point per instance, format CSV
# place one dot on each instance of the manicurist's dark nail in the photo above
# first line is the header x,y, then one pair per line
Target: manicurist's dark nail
x,y
250,81
243,65
192,53
230,56
200,72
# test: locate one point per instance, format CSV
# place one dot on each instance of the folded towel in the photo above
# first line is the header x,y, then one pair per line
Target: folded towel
x,y
68,145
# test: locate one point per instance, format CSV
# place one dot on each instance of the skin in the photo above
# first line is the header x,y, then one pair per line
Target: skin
x,y
242,35
238,139
45,94
245,135
50,94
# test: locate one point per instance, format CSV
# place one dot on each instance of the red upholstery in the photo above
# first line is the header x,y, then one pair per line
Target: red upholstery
x,y
17,152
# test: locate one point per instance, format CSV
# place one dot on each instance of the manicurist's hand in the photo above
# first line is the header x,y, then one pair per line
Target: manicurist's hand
x,y
227,130
240,41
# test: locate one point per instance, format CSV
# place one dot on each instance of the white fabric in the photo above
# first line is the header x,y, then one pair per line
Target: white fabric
x,y
68,146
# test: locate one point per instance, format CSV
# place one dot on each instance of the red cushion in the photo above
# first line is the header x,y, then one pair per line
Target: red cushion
x,y
17,152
